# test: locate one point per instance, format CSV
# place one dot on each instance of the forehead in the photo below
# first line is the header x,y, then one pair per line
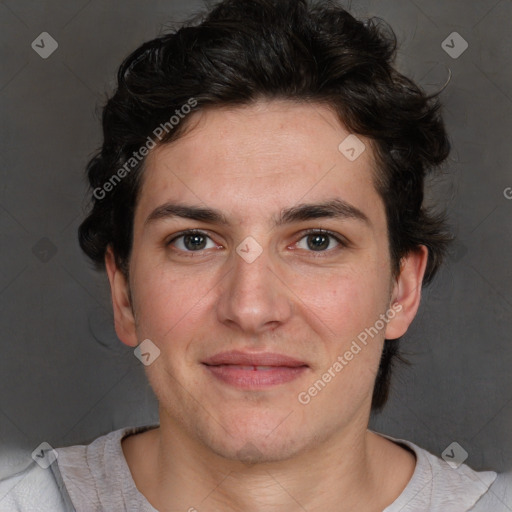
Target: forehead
x,y
267,155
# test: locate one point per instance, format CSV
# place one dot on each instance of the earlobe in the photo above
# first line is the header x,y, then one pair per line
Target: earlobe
x,y
407,292
123,313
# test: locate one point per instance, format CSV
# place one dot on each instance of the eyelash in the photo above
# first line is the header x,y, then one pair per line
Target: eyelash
x,y
343,243
339,239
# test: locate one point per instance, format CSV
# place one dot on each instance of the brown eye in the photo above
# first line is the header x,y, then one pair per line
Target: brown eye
x,y
192,242
318,242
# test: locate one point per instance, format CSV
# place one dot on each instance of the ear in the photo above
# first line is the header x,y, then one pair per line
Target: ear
x,y
406,292
123,314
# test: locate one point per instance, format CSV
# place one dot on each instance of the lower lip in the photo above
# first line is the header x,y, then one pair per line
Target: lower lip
x,y
255,379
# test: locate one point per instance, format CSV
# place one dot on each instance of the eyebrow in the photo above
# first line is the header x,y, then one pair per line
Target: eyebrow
x,y
199,213
335,208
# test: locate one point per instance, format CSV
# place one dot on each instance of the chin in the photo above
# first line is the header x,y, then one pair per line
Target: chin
x,y
257,441
256,450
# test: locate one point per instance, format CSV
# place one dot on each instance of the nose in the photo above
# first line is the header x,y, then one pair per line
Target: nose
x,y
253,298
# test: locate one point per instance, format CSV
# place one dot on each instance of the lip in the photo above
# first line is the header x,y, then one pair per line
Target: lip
x,y
243,369
237,357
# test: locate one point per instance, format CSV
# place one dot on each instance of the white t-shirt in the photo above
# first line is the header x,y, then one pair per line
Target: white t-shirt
x,y
96,478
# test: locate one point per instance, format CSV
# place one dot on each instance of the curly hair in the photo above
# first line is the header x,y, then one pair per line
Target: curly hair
x,y
242,51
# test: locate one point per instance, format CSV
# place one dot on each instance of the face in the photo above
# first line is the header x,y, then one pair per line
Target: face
x,y
260,254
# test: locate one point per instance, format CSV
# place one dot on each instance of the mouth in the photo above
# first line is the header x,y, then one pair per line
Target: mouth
x,y
246,370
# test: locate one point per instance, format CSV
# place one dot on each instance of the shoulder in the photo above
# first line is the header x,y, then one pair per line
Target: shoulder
x,y
33,489
499,496
96,475
440,485
80,478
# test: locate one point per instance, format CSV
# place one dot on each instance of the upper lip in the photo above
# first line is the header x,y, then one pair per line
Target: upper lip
x,y
237,357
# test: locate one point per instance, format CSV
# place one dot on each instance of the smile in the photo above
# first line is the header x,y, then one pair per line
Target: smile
x,y
246,370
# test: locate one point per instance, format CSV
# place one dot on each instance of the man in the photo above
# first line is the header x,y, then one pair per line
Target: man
x,y
258,208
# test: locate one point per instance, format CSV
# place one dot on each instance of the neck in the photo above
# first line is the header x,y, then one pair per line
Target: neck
x,y
356,470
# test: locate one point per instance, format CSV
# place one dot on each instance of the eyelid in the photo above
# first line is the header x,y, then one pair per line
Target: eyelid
x,y
342,241
193,231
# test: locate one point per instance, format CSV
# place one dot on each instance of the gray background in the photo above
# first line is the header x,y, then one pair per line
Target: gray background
x,y
65,378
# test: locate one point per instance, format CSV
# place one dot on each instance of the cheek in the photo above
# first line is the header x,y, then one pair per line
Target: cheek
x,y
167,303
347,300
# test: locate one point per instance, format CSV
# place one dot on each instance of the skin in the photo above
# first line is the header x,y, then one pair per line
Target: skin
x,y
223,448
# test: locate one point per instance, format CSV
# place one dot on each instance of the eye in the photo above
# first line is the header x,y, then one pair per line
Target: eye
x,y
319,241
192,241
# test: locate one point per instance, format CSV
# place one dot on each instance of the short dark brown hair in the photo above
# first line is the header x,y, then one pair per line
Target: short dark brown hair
x,y
242,51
